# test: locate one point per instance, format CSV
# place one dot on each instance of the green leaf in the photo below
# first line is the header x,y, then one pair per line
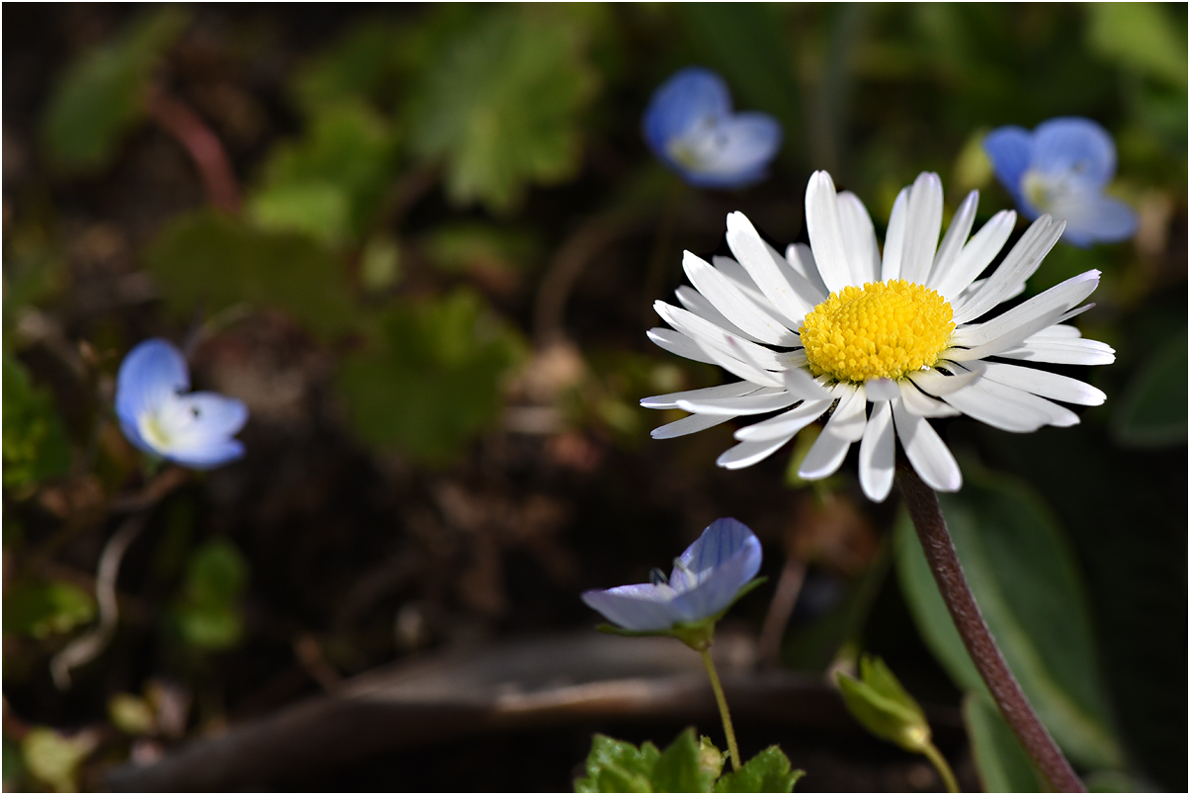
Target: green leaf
x,y
362,62
884,707
1023,575
768,771
680,769
208,613
54,759
431,379
462,247
100,97
43,608
35,446
208,261
618,766
1142,37
1152,410
1002,763
500,106
330,183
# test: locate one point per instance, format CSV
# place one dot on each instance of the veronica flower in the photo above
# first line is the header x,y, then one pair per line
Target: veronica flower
x,y
690,127
882,342
194,430
709,576
1061,168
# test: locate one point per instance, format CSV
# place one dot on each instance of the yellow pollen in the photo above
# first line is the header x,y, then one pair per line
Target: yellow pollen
x,y
880,330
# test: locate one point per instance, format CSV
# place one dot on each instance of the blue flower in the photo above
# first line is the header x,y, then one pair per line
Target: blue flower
x,y
690,127
194,430
705,581
1061,168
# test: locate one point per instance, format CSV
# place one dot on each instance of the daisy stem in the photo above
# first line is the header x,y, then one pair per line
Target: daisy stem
x,y
732,748
923,507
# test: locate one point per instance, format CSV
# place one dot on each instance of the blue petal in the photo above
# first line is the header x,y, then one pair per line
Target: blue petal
x,y
749,143
209,455
1010,149
644,608
1096,219
683,102
1077,147
726,558
150,374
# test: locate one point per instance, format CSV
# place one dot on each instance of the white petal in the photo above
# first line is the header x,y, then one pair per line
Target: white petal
x,y
826,232
801,260
894,239
1020,322
760,402
687,425
745,454
877,453
1022,261
934,383
1009,409
881,389
784,426
699,304
955,237
734,304
791,294
1044,383
922,226
670,401
921,404
926,451
799,382
718,343
851,414
975,256
1074,351
826,454
1057,332
859,239
978,285
678,343
735,271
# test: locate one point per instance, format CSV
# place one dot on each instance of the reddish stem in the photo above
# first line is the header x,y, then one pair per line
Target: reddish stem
x,y
203,146
927,517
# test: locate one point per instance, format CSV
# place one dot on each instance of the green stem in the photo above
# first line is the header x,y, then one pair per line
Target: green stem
x,y
939,761
732,748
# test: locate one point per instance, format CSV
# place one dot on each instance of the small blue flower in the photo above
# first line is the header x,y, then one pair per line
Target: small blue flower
x,y
690,127
705,581
1061,168
194,430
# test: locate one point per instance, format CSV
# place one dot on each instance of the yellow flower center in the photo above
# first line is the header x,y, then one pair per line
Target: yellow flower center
x,y
880,330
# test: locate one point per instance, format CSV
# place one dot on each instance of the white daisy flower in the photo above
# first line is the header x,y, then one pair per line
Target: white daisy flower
x,y
886,341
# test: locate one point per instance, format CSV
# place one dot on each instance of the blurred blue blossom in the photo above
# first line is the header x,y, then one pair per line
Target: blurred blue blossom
x,y
706,580
690,127
1061,168
194,430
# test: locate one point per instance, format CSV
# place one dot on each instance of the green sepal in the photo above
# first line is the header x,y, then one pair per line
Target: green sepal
x,y
768,771
882,705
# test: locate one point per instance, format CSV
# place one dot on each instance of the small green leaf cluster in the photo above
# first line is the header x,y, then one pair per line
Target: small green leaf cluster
x,y
686,765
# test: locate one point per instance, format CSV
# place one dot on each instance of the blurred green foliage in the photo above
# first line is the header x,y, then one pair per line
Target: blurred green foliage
x,y
207,612
101,97
40,608
1000,759
1152,410
35,445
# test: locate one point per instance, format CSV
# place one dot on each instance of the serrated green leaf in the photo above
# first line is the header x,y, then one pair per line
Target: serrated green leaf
x,y
1152,410
1141,37
101,95
1001,762
329,183
500,105
208,261
431,380
43,608
1024,578
35,446
679,767
618,766
768,771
